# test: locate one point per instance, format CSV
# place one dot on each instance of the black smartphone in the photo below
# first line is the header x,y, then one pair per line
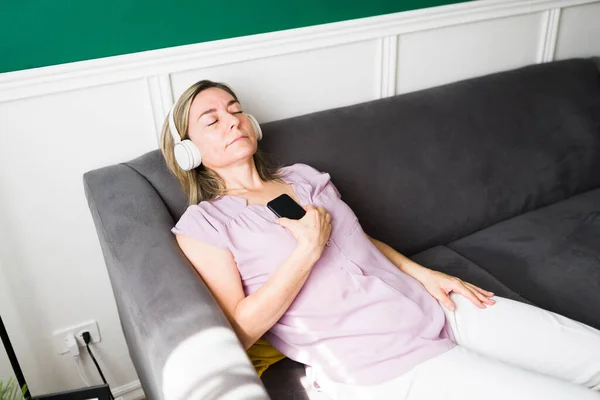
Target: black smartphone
x,y
285,207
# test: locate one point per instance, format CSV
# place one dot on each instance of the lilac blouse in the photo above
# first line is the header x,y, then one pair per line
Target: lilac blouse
x,y
358,319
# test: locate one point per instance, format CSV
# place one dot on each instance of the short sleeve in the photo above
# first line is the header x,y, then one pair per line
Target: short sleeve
x,y
320,181
196,224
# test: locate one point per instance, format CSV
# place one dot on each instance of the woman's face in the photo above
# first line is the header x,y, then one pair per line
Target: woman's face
x,y
217,126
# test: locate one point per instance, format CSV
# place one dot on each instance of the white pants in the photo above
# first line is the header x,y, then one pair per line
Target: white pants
x,y
510,350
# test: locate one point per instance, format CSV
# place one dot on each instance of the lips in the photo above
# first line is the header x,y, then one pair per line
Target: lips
x,y
237,138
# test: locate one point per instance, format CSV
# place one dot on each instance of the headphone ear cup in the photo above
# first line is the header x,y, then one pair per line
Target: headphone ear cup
x,y
187,155
256,126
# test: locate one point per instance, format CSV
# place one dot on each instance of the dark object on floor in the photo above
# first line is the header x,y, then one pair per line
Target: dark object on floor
x,y
100,392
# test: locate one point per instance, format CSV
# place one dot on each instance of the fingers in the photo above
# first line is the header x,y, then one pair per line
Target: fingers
x,y
483,298
320,209
480,290
323,212
480,293
445,300
282,221
309,207
465,291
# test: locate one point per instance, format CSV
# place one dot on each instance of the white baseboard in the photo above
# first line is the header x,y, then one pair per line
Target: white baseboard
x,y
129,391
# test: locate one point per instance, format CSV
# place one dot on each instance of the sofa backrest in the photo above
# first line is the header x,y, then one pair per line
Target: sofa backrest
x,y
428,167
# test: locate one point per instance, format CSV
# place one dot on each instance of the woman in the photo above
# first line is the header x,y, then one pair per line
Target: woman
x,y
369,322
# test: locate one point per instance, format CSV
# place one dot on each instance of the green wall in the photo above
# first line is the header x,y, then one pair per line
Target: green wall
x,y
36,33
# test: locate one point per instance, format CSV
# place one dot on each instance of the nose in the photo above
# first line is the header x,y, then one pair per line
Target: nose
x,y
233,121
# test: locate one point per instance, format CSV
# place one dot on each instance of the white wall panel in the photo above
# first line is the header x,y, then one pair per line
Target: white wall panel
x,y
50,252
579,33
438,56
293,84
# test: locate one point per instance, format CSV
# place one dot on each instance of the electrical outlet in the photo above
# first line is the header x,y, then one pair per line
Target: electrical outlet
x,y
59,337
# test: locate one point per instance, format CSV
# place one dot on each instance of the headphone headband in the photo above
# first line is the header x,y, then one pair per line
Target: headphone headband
x,y
172,127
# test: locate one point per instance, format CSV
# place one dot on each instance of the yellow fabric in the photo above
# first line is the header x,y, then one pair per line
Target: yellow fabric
x,y
262,355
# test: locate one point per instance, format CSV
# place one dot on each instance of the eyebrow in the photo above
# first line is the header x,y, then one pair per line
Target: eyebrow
x,y
211,110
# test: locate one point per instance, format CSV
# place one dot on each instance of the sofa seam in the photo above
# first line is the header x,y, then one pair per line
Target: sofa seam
x,y
448,245
152,186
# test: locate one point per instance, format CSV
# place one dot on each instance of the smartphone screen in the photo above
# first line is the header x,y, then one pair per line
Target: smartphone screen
x,y
285,207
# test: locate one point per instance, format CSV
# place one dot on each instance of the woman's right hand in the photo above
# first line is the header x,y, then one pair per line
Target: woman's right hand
x,y
311,231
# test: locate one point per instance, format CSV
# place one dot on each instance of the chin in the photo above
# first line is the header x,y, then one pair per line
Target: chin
x,y
247,150
242,156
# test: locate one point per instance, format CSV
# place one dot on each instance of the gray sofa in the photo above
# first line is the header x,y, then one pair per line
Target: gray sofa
x,y
495,180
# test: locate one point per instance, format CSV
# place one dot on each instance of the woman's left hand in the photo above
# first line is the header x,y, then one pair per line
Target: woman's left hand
x,y
439,285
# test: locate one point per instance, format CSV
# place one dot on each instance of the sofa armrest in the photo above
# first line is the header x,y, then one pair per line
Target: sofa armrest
x,y
179,340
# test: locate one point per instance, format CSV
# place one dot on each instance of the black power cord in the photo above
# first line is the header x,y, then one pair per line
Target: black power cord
x,y
87,339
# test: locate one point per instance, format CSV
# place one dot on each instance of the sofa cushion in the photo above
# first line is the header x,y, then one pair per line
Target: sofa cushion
x,y
445,162
444,259
551,256
153,168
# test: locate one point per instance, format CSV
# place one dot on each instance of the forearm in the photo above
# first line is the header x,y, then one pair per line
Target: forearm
x,y
404,263
258,312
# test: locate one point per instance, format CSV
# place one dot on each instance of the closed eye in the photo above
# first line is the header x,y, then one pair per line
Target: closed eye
x,y
217,120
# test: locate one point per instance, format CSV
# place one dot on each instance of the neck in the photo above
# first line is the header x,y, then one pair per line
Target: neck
x,y
240,178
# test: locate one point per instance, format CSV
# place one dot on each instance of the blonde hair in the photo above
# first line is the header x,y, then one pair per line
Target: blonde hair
x,y
201,183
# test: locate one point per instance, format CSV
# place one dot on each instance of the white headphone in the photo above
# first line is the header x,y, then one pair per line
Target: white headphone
x,y
186,152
